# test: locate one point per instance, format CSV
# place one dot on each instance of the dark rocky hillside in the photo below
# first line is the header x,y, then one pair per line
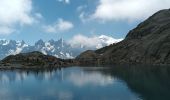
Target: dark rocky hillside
x,y
148,43
34,60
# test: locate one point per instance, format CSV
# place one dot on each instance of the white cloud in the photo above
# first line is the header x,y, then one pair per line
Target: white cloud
x,y
84,17
65,1
60,26
5,30
130,10
15,12
92,42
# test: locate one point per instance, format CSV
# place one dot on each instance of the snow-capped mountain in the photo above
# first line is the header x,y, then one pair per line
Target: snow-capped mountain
x,y
94,42
11,47
60,48
106,40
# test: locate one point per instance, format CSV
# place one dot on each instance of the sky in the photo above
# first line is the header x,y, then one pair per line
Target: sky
x,y
31,20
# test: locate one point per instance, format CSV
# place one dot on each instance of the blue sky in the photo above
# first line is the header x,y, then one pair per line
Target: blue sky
x,y
31,20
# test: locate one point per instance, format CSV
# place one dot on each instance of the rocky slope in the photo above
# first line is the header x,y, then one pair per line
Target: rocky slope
x,y
34,60
148,43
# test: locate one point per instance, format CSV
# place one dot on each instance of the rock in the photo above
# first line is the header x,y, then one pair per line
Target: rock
x,y
87,58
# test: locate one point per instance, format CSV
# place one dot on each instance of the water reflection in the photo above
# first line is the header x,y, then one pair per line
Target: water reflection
x,y
76,76
77,83
92,78
151,82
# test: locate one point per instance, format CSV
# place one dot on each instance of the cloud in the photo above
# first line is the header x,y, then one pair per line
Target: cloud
x,y
92,42
15,12
60,26
5,30
83,15
131,10
64,1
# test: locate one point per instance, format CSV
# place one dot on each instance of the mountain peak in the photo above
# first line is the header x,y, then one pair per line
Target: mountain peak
x,y
23,42
51,41
60,40
40,42
4,42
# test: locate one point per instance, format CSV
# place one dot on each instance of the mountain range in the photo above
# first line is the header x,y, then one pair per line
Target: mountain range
x,y
60,48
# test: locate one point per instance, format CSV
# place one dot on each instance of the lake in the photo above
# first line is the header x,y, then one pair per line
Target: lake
x,y
86,83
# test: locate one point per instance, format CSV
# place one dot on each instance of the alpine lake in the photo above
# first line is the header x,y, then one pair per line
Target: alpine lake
x,y
87,83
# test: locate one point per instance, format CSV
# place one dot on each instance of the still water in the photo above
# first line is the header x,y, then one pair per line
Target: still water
x,y
86,83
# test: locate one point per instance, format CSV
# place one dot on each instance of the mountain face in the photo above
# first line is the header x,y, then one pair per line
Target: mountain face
x,y
11,47
60,49
148,43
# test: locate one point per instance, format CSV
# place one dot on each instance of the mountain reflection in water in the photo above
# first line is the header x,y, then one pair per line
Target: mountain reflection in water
x,y
87,83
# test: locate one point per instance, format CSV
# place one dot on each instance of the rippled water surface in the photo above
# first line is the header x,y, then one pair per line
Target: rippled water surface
x,y
86,83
